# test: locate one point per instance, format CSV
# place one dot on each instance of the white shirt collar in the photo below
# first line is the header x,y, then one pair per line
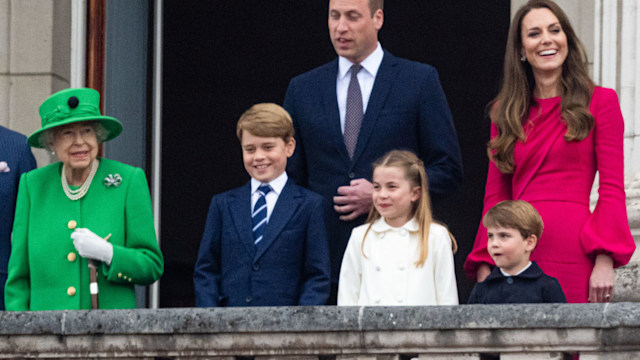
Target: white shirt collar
x,y
371,64
519,272
276,184
381,225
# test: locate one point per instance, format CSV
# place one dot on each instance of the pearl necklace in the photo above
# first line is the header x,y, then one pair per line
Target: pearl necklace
x,y
82,191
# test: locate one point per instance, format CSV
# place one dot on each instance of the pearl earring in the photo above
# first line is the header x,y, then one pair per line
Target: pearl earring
x,y
523,58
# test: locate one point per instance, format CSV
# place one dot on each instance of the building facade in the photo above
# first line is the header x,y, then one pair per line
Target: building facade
x,y
46,46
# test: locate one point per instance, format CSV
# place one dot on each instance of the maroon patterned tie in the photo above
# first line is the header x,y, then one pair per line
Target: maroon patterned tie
x,y
353,114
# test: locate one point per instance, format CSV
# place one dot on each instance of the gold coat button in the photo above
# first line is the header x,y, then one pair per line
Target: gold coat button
x,y
71,257
72,224
71,291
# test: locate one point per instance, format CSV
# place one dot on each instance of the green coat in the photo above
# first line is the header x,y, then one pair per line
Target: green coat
x,y
45,270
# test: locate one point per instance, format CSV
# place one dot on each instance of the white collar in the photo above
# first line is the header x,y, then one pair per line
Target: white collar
x,y
276,184
381,225
519,272
371,64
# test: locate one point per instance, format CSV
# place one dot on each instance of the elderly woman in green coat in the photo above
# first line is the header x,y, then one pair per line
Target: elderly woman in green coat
x,y
81,210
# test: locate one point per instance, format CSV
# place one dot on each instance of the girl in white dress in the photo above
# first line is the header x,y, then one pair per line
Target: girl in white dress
x,y
400,256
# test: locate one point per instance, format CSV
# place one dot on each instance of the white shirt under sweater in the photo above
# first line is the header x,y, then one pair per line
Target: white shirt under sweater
x,y
366,78
518,273
276,184
388,275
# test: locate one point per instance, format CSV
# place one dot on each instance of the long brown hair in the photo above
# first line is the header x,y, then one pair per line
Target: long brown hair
x,y
511,106
414,172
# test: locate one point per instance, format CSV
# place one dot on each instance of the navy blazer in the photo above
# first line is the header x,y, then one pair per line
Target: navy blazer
x,y
15,151
531,287
290,266
407,109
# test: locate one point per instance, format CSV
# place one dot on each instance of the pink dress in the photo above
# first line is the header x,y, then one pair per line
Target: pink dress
x,y
556,176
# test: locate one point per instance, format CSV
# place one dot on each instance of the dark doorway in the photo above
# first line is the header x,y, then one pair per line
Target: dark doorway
x,y
221,57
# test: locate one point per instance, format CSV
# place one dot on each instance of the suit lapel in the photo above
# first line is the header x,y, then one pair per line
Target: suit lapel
x,y
381,86
286,206
240,209
330,108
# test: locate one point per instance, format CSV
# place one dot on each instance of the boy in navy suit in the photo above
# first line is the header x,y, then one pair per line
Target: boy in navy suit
x,y
264,243
513,229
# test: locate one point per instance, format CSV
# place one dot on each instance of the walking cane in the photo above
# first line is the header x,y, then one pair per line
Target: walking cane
x,y
93,282
93,279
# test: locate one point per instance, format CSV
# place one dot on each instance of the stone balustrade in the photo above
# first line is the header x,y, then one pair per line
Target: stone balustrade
x,y
511,332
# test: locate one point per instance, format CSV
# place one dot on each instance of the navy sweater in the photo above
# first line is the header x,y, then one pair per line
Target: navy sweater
x,y
531,286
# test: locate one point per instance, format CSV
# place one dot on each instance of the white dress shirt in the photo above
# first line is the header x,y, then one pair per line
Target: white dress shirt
x,y
366,78
272,196
387,275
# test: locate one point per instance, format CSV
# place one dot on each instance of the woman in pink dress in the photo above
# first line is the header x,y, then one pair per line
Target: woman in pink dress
x,y
552,129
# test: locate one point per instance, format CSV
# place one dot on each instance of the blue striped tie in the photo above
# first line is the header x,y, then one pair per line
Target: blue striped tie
x,y
259,214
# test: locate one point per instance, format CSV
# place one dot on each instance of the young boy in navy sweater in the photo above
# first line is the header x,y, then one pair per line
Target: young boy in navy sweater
x,y
513,229
264,243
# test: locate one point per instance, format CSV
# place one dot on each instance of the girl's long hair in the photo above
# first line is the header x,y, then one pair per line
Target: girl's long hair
x,y
414,172
511,106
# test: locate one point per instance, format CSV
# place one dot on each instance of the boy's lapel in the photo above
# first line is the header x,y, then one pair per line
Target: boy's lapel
x,y
286,206
240,209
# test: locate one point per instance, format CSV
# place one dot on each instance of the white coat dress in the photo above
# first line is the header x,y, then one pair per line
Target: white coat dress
x,y
386,274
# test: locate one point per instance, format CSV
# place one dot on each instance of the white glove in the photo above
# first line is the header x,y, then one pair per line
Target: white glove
x,y
92,246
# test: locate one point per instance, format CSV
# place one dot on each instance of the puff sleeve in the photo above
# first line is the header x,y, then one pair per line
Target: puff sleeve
x,y
607,229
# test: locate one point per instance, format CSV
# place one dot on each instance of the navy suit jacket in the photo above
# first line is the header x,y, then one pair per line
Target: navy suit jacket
x,y
290,266
15,151
407,110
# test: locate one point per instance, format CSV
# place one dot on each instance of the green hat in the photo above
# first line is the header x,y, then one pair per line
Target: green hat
x,y
70,106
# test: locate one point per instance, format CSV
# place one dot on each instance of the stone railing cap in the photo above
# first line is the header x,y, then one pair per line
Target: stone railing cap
x,y
320,319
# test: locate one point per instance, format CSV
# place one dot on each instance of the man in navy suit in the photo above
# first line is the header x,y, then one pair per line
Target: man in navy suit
x,y
15,159
264,243
402,107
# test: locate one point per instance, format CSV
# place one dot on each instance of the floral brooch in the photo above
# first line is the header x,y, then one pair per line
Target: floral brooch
x,y
113,180
4,167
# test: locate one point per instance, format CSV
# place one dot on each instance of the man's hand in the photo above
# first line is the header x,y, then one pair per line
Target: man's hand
x,y
353,200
